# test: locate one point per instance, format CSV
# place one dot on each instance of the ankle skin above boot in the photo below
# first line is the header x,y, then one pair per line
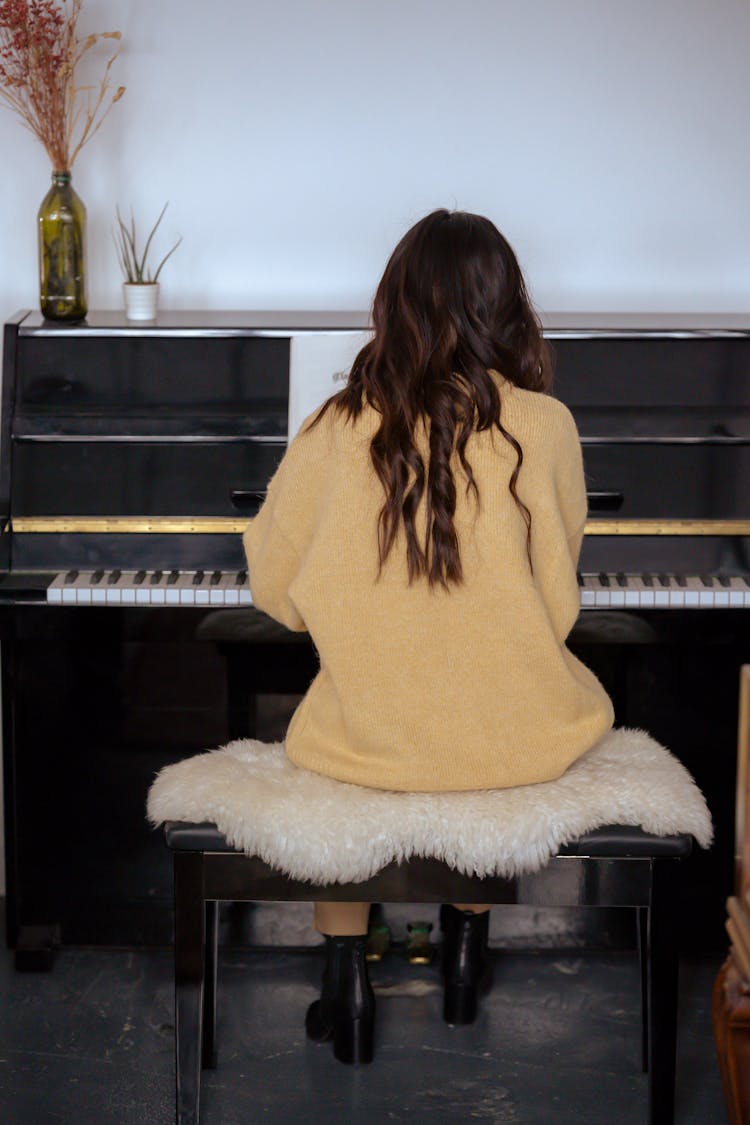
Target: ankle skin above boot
x,y
346,1009
466,964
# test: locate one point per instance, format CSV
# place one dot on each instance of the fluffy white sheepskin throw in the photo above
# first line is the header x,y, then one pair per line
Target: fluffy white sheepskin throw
x,y
326,831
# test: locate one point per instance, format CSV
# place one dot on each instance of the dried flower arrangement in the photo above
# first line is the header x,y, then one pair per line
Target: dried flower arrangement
x,y
39,53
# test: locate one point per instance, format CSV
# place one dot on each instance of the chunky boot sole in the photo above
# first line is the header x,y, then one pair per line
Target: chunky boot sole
x,y
353,1040
460,1003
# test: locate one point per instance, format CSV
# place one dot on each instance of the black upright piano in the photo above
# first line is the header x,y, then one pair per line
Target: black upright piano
x,y
130,460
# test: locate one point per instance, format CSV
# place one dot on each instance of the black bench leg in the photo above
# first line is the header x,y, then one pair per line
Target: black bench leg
x,y
662,991
189,941
208,1050
641,915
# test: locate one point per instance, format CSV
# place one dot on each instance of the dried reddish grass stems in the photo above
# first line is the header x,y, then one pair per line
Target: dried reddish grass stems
x,y
39,53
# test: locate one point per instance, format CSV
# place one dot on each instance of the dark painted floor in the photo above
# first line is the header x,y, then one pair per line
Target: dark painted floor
x,y
557,1041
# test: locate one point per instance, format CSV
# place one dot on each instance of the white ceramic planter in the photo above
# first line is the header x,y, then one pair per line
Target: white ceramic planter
x,y
141,300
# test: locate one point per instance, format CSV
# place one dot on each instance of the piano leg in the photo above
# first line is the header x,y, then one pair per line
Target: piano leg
x,y
189,965
642,931
208,1050
662,992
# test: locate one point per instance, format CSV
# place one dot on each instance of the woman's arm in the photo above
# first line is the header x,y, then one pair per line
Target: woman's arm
x,y
571,485
272,563
275,541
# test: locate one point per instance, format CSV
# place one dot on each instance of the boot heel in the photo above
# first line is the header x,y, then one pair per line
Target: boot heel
x,y
460,1003
353,1040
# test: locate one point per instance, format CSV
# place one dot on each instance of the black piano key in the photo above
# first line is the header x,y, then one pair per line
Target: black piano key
x,y
681,580
724,580
707,580
647,580
241,578
580,579
664,580
156,577
173,576
622,579
604,579
71,576
114,577
96,577
198,577
139,578
216,578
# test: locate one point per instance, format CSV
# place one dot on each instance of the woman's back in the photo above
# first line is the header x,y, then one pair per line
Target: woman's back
x,y
426,687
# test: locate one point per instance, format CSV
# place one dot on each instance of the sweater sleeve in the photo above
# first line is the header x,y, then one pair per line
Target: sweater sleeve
x,y
571,485
273,558
272,563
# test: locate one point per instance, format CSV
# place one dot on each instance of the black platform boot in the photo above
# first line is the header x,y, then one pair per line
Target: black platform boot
x,y
346,1009
466,963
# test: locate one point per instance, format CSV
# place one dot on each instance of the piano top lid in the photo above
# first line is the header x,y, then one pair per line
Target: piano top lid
x,y
285,322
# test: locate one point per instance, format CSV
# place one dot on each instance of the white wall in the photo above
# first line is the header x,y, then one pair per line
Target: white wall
x,y
296,141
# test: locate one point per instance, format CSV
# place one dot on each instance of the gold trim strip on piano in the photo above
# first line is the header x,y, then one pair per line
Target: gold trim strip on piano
x,y
131,525
668,527
234,525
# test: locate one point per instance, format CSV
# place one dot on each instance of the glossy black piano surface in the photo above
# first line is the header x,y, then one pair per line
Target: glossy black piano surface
x,y
185,420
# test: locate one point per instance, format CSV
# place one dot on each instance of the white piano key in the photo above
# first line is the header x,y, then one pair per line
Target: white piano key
x,y
157,591
587,591
230,589
171,589
98,589
143,591
602,595
216,593
661,595
616,592
127,587
201,589
632,594
185,588
112,592
646,599
82,588
706,597
55,589
245,596
737,591
692,592
676,595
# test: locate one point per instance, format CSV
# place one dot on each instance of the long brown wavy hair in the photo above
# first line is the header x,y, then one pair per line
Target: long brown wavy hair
x,y
451,305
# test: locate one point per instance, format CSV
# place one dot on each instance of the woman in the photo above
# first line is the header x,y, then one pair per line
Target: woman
x,y
425,526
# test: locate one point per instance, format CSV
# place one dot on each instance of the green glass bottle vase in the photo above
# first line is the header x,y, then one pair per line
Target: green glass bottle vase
x,y
62,236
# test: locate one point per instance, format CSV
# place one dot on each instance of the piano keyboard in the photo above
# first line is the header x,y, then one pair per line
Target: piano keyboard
x,y
664,591
150,587
199,587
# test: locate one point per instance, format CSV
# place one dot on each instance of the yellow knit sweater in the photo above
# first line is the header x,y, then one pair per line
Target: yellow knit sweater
x,y
427,689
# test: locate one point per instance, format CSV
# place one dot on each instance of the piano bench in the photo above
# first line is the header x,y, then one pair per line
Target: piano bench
x,y
610,866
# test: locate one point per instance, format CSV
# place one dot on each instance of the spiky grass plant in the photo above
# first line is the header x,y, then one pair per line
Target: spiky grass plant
x,y
134,265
